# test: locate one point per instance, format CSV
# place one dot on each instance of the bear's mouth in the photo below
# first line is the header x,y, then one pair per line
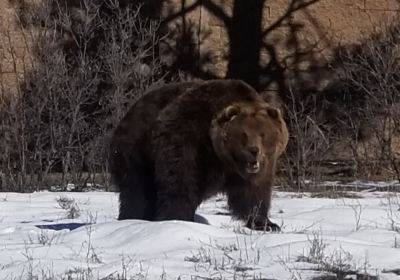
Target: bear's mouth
x,y
253,167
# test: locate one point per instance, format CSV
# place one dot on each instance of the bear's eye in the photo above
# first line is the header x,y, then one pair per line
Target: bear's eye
x,y
262,134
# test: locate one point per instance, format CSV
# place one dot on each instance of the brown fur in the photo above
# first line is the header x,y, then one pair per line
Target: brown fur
x,y
184,142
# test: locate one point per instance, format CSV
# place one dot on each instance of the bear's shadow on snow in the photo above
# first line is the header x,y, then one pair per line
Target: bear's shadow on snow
x,y
70,226
200,219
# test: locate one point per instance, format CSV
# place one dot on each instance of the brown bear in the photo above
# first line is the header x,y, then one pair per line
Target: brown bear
x,y
184,142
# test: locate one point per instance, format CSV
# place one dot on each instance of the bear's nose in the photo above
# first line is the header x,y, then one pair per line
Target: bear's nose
x,y
254,150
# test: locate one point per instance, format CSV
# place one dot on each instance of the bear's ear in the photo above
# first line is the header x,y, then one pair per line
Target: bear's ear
x,y
228,114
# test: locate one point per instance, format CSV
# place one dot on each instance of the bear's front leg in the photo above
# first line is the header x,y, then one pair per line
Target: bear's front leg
x,y
264,224
251,204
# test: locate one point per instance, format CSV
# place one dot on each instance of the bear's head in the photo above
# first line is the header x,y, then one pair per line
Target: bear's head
x,y
249,137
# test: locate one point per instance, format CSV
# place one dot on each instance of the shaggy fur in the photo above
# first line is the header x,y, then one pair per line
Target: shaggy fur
x,y
184,142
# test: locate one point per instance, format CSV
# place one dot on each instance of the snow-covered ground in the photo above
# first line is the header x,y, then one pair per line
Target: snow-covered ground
x,y
39,239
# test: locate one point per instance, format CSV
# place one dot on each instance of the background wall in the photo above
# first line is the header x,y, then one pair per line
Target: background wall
x,y
14,50
231,38
245,39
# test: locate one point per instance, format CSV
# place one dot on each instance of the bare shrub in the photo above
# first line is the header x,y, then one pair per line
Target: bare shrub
x,y
336,264
13,159
65,202
70,205
369,75
351,127
309,142
43,237
90,62
393,211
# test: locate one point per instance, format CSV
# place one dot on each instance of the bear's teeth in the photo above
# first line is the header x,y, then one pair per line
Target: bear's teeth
x,y
253,166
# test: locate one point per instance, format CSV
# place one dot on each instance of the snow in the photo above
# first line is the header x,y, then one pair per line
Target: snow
x,y
40,240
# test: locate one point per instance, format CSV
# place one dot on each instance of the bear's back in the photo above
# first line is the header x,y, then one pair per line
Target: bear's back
x,y
141,116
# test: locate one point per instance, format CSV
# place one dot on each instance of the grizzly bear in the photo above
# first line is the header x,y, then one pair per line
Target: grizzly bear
x,y
184,142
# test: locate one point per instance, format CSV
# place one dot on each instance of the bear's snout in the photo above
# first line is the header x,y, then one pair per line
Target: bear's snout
x,y
254,151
